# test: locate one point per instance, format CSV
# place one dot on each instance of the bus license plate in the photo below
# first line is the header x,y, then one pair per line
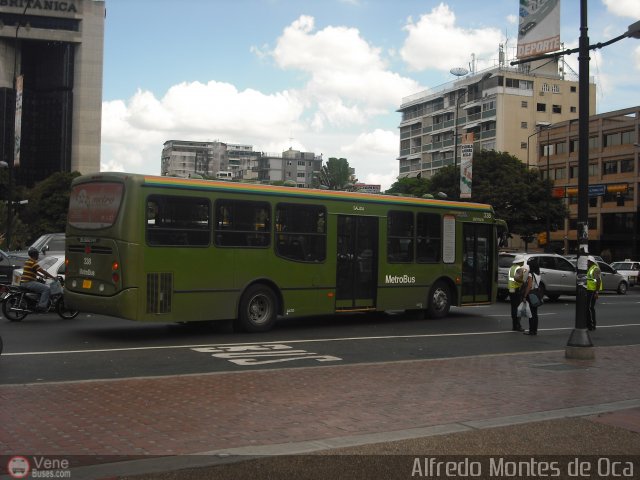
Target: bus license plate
x,y
86,283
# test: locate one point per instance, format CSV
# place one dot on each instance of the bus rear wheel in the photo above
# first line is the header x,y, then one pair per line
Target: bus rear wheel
x,y
258,309
439,301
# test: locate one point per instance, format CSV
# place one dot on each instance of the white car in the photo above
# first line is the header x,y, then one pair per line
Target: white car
x,y
54,264
629,269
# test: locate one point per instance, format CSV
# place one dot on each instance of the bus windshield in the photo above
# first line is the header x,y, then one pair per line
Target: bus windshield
x,y
94,205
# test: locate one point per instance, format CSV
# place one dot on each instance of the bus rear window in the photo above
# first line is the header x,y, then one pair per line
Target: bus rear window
x,y
94,205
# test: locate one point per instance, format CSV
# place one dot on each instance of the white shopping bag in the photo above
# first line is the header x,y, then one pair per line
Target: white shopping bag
x,y
524,311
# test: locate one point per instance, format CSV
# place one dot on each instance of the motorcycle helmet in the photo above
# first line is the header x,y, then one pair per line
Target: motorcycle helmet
x,y
33,252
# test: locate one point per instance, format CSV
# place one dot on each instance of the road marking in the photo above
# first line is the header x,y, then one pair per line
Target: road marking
x,y
317,340
263,354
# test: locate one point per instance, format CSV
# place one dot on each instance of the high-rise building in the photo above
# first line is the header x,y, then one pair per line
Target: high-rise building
x,y
54,49
504,108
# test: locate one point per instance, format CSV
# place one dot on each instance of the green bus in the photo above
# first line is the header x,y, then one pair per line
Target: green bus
x,y
169,249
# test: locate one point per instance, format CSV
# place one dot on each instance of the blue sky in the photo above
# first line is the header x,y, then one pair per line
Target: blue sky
x,y
325,76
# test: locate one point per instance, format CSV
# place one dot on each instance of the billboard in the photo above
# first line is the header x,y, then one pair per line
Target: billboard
x,y
18,121
466,165
539,28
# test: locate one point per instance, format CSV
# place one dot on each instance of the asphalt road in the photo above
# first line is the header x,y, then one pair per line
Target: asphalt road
x,y
46,348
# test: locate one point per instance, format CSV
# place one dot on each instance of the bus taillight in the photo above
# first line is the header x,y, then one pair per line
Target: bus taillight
x,y
115,274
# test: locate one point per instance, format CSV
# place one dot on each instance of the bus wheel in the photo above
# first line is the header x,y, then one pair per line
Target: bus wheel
x,y
258,309
439,301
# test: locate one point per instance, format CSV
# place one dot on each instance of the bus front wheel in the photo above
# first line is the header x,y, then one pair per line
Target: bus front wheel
x,y
258,309
439,301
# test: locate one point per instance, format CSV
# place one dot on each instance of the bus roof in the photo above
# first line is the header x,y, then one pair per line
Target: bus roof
x,y
261,189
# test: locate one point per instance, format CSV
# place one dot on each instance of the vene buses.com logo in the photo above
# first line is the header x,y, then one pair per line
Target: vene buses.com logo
x,y
18,467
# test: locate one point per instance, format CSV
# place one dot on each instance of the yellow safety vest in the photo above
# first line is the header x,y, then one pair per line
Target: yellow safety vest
x,y
513,284
592,281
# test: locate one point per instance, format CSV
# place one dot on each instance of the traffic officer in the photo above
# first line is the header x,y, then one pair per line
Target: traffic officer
x,y
514,292
594,285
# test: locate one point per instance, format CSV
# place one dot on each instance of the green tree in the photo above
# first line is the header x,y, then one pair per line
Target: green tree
x,y
48,205
336,174
518,196
411,186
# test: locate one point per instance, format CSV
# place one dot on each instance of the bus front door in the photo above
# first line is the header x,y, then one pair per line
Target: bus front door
x,y
477,266
356,270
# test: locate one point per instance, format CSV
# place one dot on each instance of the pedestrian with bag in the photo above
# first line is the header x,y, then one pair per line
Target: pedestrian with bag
x,y
531,295
594,285
516,277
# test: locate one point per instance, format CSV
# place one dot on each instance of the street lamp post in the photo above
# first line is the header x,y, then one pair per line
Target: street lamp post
x,y
11,162
455,145
580,339
548,244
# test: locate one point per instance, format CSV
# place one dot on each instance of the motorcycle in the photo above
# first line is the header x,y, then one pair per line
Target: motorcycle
x,y
18,302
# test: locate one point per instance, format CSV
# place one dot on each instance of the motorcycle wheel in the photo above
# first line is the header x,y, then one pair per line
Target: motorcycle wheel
x,y
9,309
65,312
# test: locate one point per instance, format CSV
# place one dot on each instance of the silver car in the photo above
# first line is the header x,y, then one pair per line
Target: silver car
x,y
558,275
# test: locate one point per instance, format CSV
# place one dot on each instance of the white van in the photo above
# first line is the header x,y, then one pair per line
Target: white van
x,y
224,176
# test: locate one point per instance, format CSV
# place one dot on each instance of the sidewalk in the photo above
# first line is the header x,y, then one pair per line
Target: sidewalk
x,y
580,408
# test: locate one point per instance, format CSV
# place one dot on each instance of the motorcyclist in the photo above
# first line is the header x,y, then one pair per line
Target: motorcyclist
x,y
29,279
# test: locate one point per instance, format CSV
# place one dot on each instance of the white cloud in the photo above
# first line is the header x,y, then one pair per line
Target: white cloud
x,y
435,42
623,8
348,78
348,82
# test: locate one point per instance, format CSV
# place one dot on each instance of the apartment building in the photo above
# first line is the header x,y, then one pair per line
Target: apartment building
x,y
183,158
292,166
614,181
502,107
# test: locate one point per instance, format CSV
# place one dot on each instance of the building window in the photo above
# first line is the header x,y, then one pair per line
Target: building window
x,y
612,139
629,137
573,109
523,145
541,107
593,142
561,148
573,145
555,88
523,125
560,173
574,89
610,168
557,109
573,171
545,87
593,169
524,104
626,166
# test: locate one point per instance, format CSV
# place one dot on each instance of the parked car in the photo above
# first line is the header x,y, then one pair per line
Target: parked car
x,y
574,258
558,275
45,244
54,264
613,280
8,263
630,269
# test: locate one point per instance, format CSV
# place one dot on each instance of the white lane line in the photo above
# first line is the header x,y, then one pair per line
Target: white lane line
x,y
317,340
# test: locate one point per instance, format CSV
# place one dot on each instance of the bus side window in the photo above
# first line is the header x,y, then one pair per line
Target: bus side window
x,y
301,232
429,233
400,237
